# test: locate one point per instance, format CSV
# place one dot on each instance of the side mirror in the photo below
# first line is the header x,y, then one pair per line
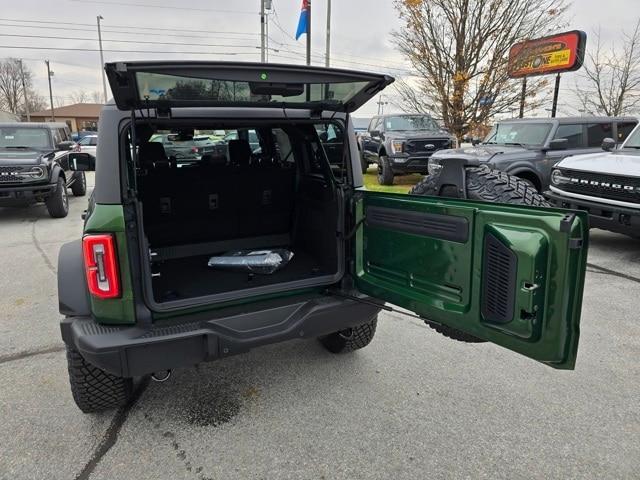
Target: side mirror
x,y
66,145
475,141
558,144
374,133
608,144
82,162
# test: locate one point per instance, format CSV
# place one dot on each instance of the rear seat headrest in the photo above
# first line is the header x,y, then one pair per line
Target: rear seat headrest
x,y
239,152
214,160
151,153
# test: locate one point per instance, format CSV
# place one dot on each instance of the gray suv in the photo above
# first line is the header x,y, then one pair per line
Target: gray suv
x,y
528,148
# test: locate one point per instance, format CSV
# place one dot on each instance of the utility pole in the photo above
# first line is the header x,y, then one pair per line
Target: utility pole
x,y
381,105
24,93
104,80
328,46
263,38
49,75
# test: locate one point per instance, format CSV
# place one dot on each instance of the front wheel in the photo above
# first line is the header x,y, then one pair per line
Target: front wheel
x,y
385,173
351,339
95,390
485,185
58,202
79,186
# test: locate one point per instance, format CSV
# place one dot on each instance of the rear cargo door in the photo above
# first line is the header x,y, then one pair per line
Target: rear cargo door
x,y
512,275
164,85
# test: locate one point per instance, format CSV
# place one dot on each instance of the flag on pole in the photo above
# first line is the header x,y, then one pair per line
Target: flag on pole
x,y
303,23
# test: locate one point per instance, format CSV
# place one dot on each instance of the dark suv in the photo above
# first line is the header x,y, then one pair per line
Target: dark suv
x,y
400,144
34,166
179,265
528,148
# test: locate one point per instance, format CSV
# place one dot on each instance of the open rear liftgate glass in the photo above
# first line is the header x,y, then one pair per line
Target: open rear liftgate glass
x,y
512,275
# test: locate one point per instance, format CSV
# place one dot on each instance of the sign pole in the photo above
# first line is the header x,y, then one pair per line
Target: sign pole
x,y
523,95
309,34
554,107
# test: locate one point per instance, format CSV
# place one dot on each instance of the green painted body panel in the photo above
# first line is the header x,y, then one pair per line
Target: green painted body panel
x,y
110,219
442,279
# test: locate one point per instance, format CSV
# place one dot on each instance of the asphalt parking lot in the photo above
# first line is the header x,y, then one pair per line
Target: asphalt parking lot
x,y
411,405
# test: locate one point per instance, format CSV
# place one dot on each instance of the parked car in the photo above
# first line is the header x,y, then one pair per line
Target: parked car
x,y
183,146
34,166
88,144
177,268
604,184
401,144
529,148
77,136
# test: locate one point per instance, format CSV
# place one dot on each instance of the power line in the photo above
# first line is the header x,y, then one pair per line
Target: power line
x,y
20,47
129,41
137,27
168,7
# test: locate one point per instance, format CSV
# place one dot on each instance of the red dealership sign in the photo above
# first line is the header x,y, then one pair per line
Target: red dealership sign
x,y
563,52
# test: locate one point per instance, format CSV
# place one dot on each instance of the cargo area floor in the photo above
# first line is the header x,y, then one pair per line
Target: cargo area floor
x,y
192,277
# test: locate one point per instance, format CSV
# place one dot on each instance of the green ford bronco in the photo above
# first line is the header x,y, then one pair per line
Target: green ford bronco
x,y
188,260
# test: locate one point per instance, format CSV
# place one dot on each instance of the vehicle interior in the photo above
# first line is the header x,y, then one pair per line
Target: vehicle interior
x,y
281,193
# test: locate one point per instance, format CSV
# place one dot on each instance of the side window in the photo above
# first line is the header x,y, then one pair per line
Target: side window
x,y
573,134
624,129
597,132
64,133
57,136
94,140
372,124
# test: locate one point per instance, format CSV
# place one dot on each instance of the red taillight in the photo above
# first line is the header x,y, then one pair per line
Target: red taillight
x,y
101,265
195,149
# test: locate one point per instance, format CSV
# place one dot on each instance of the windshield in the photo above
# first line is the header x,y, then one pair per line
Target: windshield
x,y
634,139
410,122
519,133
24,137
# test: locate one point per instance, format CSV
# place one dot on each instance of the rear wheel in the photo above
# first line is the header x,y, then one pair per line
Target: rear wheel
x,y
364,164
385,173
350,339
58,202
95,390
485,185
79,186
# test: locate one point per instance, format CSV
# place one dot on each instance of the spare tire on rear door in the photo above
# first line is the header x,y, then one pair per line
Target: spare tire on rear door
x,y
485,185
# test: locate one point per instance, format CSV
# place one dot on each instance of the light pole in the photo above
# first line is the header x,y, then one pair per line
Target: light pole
x,y
328,46
24,93
49,75
104,80
381,105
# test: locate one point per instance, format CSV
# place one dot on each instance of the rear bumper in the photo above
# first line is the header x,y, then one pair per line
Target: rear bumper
x,y
134,351
601,215
10,194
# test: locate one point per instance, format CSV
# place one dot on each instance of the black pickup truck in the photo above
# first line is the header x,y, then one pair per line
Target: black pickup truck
x,y
401,144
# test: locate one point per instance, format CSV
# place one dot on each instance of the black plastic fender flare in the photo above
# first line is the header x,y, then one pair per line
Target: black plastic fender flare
x,y
73,295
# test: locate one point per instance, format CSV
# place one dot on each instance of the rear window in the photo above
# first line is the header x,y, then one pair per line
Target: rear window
x,y
24,137
573,133
156,86
597,132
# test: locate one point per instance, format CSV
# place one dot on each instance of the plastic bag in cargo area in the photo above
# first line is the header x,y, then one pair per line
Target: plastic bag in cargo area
x,y
255,261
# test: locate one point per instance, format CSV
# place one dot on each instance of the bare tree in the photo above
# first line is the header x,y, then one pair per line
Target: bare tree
x,y
96,97
459,49
79,96
611,79
11,87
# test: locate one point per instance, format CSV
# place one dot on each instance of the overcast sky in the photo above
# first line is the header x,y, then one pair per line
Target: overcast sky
x,y
225,30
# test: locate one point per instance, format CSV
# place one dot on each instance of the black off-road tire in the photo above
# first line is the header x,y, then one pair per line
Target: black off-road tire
x,y
95,390
489,186
351,339
79,186
364,164
385,173
58,202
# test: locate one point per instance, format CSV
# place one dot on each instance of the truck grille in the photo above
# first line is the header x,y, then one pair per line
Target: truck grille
x,y
426,145
613,187
11,174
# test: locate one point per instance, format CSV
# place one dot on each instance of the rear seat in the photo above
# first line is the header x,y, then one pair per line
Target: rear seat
x,y
215,200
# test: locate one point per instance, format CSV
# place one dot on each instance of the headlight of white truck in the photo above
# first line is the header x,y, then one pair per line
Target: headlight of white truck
x,y
434,166
557,178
